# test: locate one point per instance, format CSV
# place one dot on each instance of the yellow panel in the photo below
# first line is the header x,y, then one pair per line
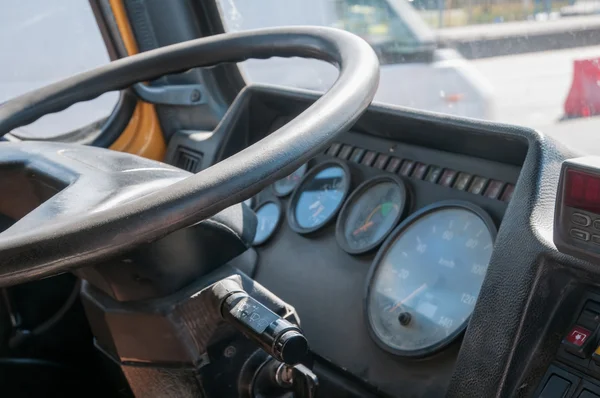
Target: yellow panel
x,y
143,135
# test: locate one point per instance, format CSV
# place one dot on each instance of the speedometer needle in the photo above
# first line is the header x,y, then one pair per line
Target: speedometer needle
x,y
407,298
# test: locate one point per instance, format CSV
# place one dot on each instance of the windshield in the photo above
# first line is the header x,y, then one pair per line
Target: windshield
x,y
534,63
43,42
382,24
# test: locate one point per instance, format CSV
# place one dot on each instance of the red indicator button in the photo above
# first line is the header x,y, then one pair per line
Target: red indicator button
x,y
578,335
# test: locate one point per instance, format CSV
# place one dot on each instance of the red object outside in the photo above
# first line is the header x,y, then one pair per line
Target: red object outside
x,y
583,99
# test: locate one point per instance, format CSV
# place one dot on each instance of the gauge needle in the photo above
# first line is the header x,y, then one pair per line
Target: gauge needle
x,y
362,228
315,204
367,223
413,294
385,210
373,212
319,210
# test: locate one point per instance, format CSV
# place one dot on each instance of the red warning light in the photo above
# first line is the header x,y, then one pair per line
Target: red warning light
x,y
582,191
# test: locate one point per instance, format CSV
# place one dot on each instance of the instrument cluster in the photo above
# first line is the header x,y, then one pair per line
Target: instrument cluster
x,y
428,268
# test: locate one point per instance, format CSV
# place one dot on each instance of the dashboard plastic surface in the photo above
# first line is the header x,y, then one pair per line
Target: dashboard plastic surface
x,y
327,285
524,304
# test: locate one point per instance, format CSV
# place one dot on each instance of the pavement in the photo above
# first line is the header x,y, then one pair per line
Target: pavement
x,y
530,90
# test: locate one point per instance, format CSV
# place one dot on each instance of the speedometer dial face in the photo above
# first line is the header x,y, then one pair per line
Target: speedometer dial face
x,y
319,197
426,278
286,185
370,213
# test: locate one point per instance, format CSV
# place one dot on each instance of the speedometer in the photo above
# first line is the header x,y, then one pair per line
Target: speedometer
x,y
426,278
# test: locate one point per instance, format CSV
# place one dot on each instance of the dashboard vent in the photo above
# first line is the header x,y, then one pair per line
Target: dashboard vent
x,y
188,160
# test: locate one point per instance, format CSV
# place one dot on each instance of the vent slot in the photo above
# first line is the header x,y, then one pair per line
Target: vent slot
x,y
188,160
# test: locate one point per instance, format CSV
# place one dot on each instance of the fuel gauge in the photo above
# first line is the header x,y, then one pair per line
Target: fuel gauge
x,y
268,217
370,213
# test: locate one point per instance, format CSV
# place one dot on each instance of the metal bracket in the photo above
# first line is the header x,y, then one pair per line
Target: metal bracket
x,y
188,94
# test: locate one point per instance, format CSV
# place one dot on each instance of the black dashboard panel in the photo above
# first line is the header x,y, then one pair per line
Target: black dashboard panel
x,y
327,285
527,301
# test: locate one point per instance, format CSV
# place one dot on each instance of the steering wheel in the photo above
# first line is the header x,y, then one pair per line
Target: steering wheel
x,y
79,205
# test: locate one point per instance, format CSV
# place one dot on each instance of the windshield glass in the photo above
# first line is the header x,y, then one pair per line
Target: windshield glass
x,y
381,24
46,41
529,62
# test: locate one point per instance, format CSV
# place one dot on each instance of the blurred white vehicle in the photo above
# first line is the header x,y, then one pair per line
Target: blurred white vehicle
x,y
414,72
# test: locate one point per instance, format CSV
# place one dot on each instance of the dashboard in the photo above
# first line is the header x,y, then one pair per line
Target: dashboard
x,y
418,251
381,244
382,248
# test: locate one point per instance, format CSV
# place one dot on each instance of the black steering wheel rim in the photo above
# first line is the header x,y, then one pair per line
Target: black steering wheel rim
x,y
88,238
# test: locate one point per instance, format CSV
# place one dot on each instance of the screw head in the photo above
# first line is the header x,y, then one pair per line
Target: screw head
x,y
195,96
229,352
404,318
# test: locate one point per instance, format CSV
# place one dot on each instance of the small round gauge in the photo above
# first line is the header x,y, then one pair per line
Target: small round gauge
x,y
268,217
318,197
370,213
286,185
426,278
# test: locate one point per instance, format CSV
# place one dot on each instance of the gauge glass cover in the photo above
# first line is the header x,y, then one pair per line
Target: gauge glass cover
x,y
319,197
427,277
370,213
268,216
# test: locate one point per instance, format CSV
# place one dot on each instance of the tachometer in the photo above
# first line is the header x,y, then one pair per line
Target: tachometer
x,y
370,213
318,197
286,185
426,278
268,217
